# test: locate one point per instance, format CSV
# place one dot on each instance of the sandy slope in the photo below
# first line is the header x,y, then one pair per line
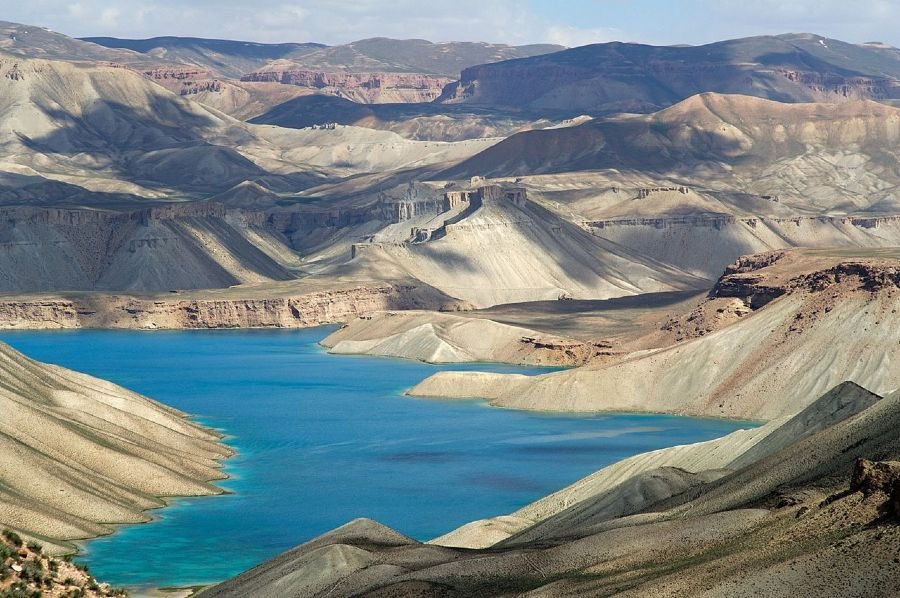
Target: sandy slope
x,y
78,453
504,253
448,338
826,328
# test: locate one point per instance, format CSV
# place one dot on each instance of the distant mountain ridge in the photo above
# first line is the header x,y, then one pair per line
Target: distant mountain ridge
x,y
627,77
231,58
375,70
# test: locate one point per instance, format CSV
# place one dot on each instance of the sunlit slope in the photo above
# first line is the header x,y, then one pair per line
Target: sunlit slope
x,y
79,453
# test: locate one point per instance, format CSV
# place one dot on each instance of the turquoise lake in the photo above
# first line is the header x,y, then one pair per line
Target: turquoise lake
x,y
323,439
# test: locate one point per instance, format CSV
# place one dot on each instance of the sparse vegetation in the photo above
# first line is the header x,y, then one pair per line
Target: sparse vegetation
x,y
38,575
13,538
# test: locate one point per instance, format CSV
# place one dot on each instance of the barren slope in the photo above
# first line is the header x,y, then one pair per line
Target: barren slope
x,y
819,320
503,252
80,453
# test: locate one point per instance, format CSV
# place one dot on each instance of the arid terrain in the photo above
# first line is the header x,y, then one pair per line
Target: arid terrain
x,y
706,230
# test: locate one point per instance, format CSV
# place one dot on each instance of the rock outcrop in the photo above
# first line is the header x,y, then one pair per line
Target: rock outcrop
x,y
826,325
365,88
286,305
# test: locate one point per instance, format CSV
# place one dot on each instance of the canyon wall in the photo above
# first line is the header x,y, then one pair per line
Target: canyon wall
x,y
365,88
302,310
177,246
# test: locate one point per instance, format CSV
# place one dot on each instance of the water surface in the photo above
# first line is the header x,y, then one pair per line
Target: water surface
x,y
323,439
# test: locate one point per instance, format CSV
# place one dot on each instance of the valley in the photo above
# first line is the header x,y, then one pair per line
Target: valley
x,y
672,271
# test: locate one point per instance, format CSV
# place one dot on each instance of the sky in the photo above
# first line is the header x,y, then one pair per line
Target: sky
x,y
565,22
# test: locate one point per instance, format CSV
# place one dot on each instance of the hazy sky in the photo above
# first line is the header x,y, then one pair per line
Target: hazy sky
x,y
567,22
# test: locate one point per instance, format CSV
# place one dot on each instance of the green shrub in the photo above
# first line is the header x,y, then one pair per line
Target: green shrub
x,y
35,547
13,538
32,571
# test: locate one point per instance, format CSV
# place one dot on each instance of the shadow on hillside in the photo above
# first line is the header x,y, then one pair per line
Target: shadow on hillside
x,y
162,147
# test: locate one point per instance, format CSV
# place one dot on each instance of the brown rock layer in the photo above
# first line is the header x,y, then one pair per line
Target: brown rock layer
x,y
368,86
300,311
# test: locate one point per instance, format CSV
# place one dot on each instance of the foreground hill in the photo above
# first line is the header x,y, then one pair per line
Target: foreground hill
x,y
620,77
78,454
802,511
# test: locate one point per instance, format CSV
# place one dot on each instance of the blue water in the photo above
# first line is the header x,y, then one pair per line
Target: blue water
x,y
322,439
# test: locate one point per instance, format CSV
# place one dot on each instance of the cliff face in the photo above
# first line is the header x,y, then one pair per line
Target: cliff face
x,y
367,88
197,245
299,311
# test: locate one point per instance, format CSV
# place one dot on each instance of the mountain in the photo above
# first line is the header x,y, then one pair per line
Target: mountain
x,y
225,58
621,77
372,70
127,160
39,42
381,54
382,70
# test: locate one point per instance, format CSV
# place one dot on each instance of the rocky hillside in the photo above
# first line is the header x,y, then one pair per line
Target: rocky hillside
x,y
620,77
25,570
809,320
182,246
809,508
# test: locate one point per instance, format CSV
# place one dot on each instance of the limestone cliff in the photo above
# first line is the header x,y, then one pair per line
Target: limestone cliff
x,y
362,87
269,306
